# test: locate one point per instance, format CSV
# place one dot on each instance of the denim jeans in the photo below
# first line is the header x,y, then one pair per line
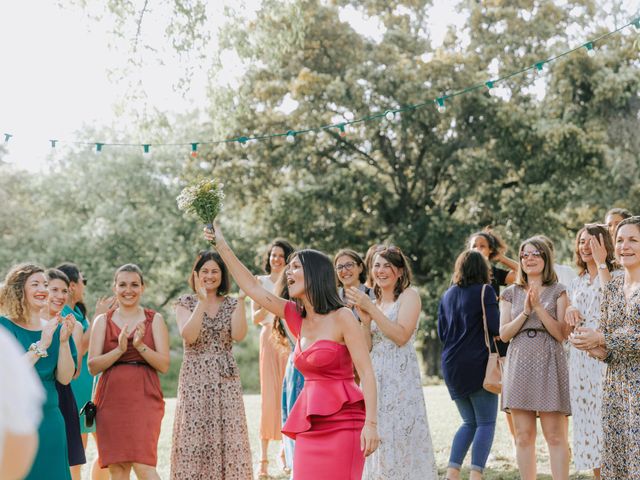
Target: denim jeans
x,y
478,411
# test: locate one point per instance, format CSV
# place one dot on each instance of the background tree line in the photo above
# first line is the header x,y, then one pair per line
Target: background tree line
x,y
424,181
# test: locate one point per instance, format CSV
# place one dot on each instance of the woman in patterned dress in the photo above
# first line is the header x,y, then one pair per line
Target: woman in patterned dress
x,y
617,342
536,377
273,359
210,437
406,451
595,260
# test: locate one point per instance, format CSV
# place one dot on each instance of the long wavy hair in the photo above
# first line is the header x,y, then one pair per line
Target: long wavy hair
x,y
12,298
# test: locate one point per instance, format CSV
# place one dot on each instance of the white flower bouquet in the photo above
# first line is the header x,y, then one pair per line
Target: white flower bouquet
x,y
202,200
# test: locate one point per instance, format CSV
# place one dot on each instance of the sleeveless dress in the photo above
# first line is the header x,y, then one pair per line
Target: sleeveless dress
x,y
291,388
273,361
51,461
405,451
83,385
327,419
536,375
129,402
210,436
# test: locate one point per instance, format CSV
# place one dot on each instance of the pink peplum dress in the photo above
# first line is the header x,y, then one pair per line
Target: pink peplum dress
x,y
327,419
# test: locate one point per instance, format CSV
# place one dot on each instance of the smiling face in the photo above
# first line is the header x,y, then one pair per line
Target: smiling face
x,y
385,274
58,295
531,260
277,260
295,278
210,276
628,246
128,289
348,271
480,244
36,292
584,247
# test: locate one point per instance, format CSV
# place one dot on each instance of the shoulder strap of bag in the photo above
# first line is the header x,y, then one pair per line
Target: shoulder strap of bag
x,y
484,320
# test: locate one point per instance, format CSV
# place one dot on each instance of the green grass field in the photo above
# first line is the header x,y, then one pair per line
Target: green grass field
x,y
443,421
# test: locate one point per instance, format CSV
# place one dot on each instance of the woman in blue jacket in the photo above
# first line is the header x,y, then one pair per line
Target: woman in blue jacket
x,y
464,359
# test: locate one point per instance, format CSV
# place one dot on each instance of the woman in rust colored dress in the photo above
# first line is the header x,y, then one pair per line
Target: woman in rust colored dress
x,y
129,398
210,437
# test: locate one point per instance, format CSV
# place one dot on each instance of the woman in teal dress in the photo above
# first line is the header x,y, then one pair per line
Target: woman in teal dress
x,y
50,349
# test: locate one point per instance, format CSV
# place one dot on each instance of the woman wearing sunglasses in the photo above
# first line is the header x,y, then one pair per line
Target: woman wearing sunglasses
x,y
536,377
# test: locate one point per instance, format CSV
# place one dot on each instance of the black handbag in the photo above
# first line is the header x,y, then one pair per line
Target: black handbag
x,y
89,411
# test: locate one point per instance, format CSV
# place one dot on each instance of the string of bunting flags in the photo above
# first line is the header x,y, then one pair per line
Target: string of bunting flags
x,y
390,114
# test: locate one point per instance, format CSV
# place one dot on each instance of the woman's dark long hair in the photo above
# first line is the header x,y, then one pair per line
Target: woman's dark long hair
x,y
319,281
471,268
278,333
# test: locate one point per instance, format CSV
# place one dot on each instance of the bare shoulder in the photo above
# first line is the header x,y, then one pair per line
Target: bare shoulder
x,y
100,321
345,318
157,318
409,295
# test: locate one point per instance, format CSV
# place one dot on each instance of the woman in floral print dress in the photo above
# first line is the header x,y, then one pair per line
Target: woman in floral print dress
x,y
596,264
210,437
617,342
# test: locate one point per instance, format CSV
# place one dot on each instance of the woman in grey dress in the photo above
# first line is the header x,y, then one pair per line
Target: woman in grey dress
x,y
406,451
536,377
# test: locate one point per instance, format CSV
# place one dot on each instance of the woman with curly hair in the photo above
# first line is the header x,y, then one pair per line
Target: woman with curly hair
x,y
51,350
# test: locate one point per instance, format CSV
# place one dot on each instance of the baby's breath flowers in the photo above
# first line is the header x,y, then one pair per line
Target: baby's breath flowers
x,y
202,200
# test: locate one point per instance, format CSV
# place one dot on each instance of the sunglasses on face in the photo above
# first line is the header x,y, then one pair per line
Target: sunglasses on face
x,y
532,254
345,266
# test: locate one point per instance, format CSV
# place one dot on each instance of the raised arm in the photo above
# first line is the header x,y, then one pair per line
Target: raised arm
x,y
239,320
243,277
399,332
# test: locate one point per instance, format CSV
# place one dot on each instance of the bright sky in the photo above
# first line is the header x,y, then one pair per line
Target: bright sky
x,y
54,75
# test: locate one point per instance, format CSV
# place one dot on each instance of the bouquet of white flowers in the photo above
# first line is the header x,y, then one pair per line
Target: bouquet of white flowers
x,y
202,200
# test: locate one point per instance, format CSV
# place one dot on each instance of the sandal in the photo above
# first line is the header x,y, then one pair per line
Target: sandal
x,y
264,470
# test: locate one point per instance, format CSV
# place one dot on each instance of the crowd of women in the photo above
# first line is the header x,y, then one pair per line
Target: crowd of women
x,y
339,376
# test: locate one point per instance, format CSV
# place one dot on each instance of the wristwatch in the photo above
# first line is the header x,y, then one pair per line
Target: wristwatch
x,y
38,350
603,266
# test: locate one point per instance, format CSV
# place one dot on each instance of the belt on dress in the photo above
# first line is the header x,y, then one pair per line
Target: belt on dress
x,y
532,332
131,363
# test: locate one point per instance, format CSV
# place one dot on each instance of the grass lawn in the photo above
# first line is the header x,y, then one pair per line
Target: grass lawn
x,y
443,421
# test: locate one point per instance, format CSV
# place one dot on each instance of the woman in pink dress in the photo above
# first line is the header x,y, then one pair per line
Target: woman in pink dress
x,y
333,422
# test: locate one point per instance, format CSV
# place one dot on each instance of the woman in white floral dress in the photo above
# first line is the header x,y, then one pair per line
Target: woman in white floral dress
x,y
595,260
405,451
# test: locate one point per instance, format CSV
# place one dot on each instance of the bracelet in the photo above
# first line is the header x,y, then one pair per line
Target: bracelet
x,y
526,315
38,350
143,349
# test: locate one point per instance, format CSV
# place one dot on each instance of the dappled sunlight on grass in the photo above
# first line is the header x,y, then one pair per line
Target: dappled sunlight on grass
x,y
443,421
